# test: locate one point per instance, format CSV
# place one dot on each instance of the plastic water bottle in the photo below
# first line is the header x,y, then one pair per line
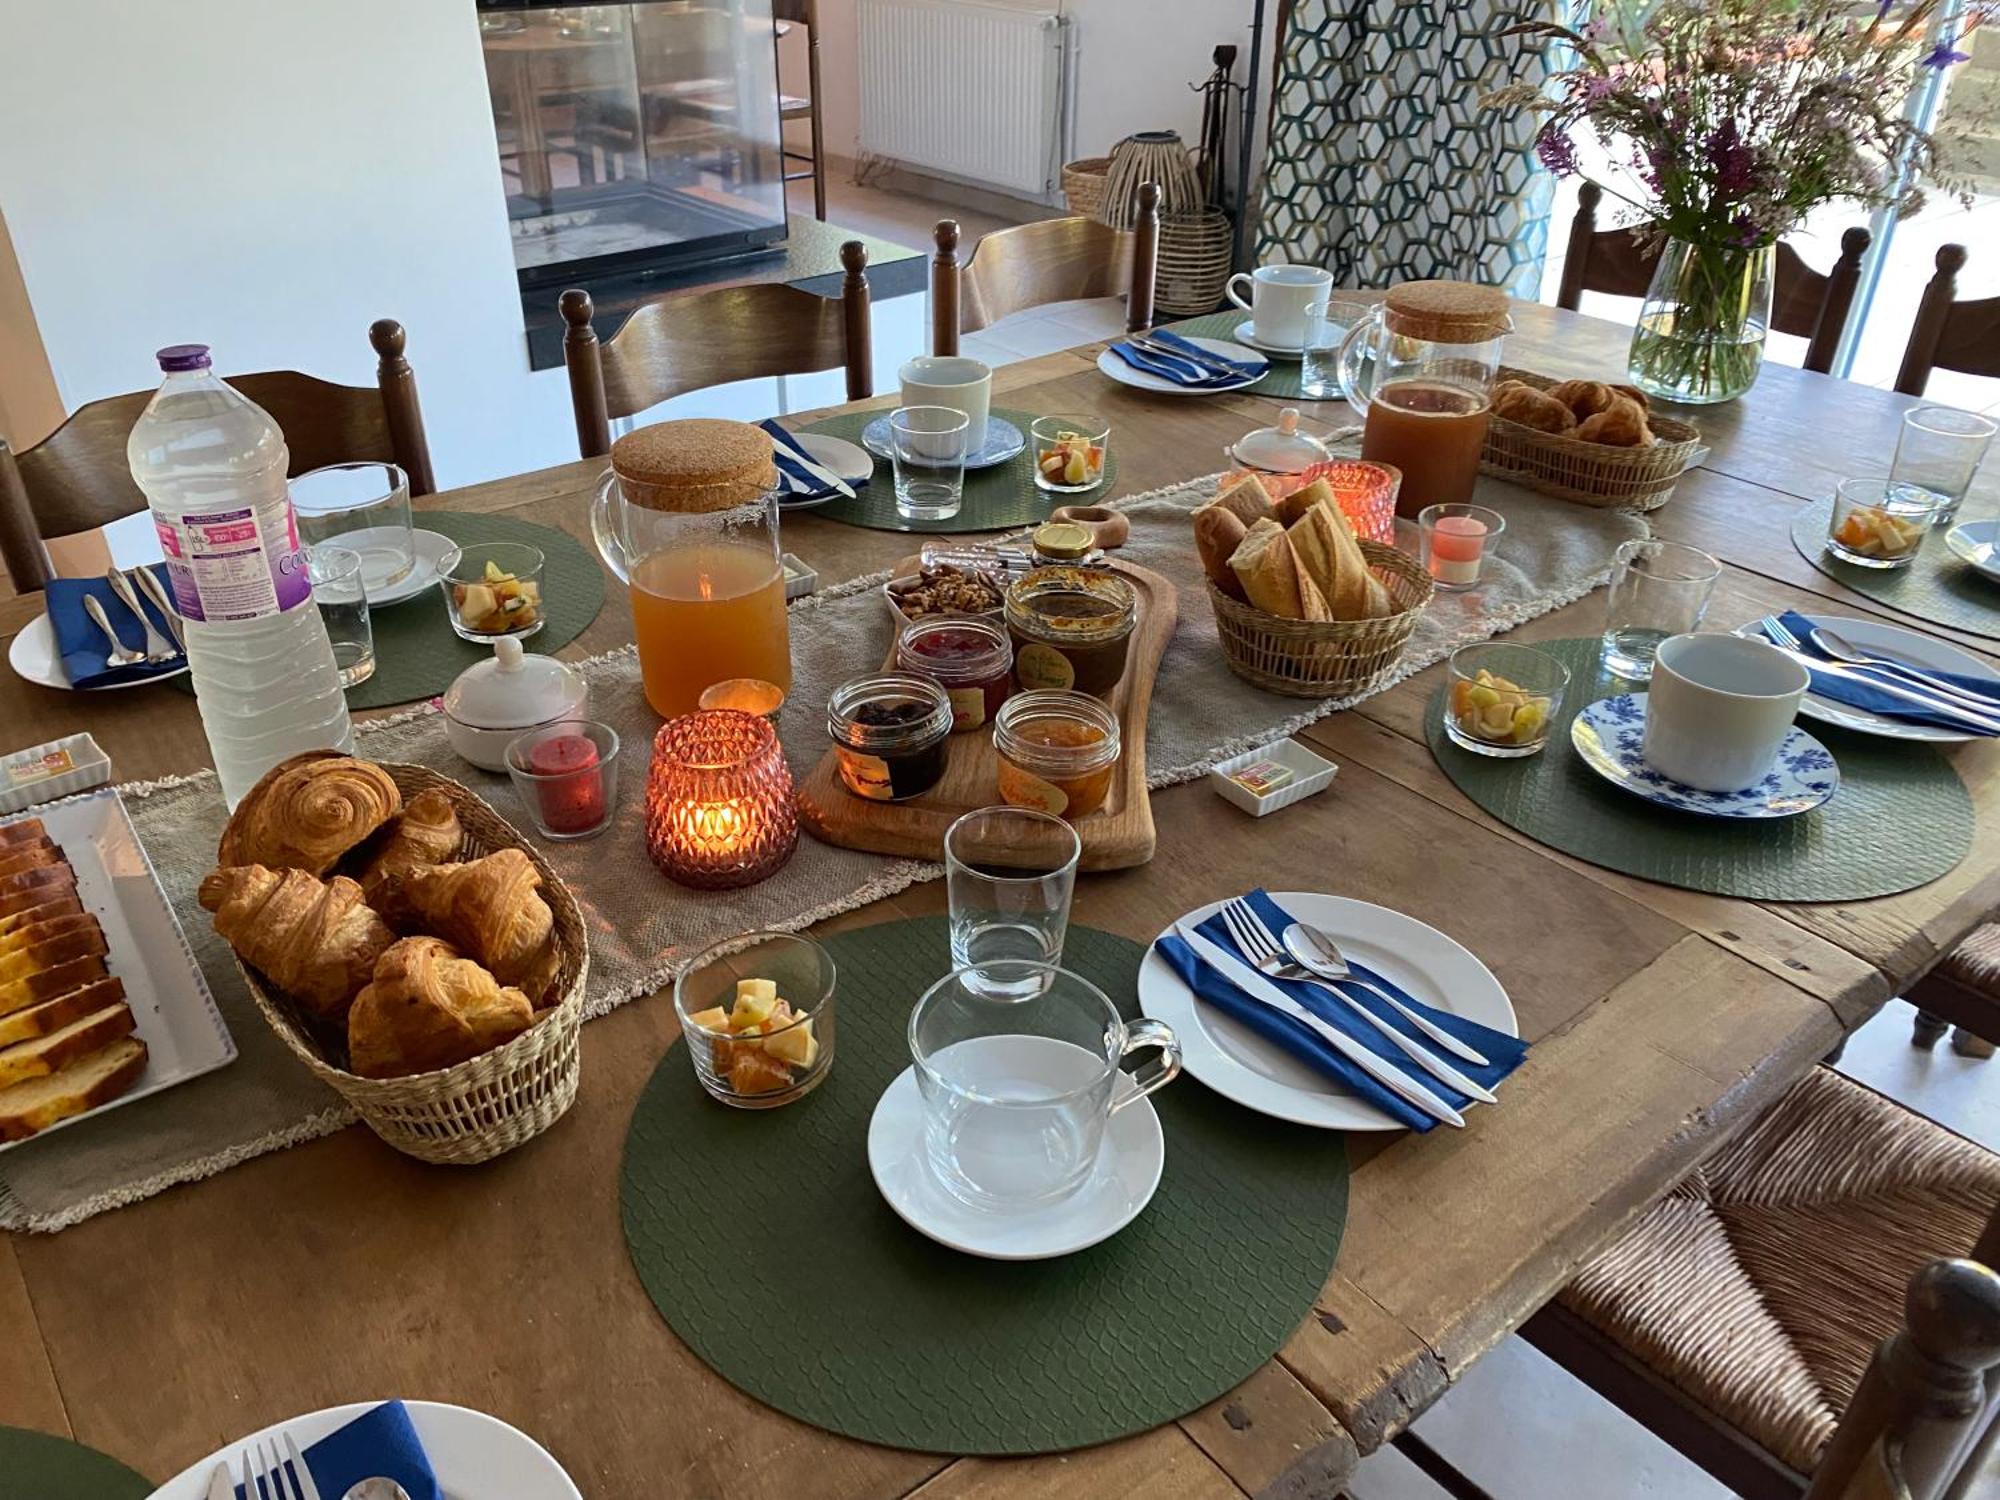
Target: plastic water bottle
x,y
212,464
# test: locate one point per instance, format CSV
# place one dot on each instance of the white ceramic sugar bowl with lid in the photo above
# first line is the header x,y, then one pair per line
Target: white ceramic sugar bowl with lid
x,y
494,702
1284,449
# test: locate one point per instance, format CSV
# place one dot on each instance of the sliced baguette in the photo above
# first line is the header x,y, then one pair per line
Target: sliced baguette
x,y
14,858
24,832
1246,499
62,905
33,990
31,1107
33,887
53,1015
1264,565
19,948
56,1051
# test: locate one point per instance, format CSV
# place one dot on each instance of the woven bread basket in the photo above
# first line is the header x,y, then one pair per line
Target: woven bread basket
x,y
1083,183
1590,473
1314,659
486,1105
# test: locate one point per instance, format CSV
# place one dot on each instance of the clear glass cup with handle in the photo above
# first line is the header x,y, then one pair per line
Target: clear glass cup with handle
x,y
1940,449
1327,327
340,589
1657,589
1017,1092
928,445
1009,875
364,507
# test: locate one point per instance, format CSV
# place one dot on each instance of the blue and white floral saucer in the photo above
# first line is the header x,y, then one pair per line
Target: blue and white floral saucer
x,y
1003,441
1609,736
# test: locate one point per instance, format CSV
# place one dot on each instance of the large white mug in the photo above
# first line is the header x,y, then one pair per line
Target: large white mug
x,y
953,380
1281,297
1718,708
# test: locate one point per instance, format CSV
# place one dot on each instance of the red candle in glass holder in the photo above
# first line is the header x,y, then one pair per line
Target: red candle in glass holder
x,y
573,800
719,800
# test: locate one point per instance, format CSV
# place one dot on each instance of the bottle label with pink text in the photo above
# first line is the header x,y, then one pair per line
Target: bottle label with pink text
x,y
240,563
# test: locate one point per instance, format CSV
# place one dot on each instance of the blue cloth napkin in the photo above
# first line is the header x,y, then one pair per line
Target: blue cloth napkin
x,y
800,483
378,1444
1183,375
82,646
1856,693
1503,1053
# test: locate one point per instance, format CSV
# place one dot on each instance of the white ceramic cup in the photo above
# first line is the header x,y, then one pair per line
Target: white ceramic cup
x,y
1281,297
952,380
1718,708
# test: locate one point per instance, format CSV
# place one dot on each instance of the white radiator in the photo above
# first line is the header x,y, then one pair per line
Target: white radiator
x,y
966,90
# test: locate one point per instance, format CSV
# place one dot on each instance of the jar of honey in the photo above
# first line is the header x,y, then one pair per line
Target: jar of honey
x,y
1057,751
972,660
1071,628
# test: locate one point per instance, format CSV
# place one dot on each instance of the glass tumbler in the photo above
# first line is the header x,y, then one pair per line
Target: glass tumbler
x,y
1940,449
1657,589
1504,699
748,1052
1069,453
1017,1092
1880,523
365,508
927,445
339,589
493,589
1009,874
567,775
1319,358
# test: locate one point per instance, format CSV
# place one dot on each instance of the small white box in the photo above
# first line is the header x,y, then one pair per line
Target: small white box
x,y
60,768
800,580
1310,773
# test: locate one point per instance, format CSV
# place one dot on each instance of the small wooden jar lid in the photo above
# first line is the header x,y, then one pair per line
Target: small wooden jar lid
x,y
695,465
1446,312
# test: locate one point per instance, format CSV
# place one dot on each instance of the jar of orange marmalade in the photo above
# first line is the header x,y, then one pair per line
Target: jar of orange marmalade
x,y
1057,751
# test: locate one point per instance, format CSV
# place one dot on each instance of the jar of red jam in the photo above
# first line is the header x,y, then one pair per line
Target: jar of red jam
x,y
972,660
1057,752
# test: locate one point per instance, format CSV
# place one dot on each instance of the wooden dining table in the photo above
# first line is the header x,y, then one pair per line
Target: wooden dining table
x,y
1662,1021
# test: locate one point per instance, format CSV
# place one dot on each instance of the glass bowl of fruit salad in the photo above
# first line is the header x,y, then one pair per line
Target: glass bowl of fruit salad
x,y
493,589
1879,523
1069,453
757,1015
1503,698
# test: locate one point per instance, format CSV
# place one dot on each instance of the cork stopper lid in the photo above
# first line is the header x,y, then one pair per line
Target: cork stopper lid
x,y
696,465
1446,312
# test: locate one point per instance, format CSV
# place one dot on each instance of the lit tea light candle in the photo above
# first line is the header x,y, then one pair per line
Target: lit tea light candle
x,y
1455,538
749,695
719,800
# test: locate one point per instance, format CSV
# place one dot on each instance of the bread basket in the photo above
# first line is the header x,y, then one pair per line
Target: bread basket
x,y
489,1104
1324,659
1590,473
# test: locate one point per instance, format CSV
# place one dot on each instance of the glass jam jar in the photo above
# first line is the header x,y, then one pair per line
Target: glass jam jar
x,y
1057,750
889,734
972,660
1071,629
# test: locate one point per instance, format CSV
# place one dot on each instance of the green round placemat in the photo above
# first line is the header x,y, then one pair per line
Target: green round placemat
x,y
996,499
39,1466
1281,381
1900,818
761,1238
1937,587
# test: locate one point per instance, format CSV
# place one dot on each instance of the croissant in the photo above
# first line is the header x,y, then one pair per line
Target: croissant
x,y
1531,408
425,832
1586,398
1633,394
429,1007
492,909
1621,425
315,940
308,811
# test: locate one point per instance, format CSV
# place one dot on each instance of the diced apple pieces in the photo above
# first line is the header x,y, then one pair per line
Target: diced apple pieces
x,y
499,602
1498,711
1873,532
759,1039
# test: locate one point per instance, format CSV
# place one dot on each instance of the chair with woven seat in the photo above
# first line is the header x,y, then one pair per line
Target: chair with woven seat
x,y
1811,304
1029,265
676,344
1736,1317
76,479
1962,992
1948,333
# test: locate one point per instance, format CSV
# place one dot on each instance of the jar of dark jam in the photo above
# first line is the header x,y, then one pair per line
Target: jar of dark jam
x,y
889,734
972,660
1071,628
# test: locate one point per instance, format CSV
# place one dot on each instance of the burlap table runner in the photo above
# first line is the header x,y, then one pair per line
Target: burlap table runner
x,y
641,926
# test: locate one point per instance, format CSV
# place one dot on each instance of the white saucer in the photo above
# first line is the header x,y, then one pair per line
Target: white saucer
x,y
430,548
1127,1173
1610,737
1246,333
1111,365
32,655
1975,542
1895,641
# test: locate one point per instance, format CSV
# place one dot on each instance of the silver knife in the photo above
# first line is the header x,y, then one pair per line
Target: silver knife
x,y
158,647
1258,988
1414,1050
1895,690
149,584
220,1485
819,472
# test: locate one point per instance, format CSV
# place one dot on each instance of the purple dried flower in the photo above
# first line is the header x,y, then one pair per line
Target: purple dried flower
x,y
1943,55
1735,163
1557,152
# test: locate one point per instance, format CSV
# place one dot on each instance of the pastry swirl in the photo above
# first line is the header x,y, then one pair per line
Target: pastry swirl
x,y
306,812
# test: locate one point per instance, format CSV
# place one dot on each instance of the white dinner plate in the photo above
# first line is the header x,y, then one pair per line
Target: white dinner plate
x,y
1246,333
1239,1064
1974,542
475,1457
32,655
1125,374
173,1012
1890,640
430,548
1116,1192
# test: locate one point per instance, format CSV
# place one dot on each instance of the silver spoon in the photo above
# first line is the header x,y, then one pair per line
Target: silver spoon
x,y
1316,951
377,1489
1841,649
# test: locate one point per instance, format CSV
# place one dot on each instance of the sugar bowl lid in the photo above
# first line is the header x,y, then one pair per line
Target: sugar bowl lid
x,y
1283,449
514,690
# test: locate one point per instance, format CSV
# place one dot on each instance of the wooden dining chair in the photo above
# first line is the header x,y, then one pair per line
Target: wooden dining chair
x,y
1054,260
677,344
76,479
1962,992
1948,333
1735,1317
1808,303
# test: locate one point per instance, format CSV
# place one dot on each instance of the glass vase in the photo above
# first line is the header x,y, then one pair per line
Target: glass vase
x,y
1700,338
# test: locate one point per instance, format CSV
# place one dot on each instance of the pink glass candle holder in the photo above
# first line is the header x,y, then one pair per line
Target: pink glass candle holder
x,y
719,800
1455,542
1365,492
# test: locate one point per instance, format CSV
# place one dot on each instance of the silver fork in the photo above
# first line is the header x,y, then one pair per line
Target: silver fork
x,y
1262,949
150,586
1210,366
269,1479
1930,695
158,647
120,655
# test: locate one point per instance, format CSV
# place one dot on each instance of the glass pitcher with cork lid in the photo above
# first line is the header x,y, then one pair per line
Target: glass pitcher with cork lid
x,y
688,520
1420,369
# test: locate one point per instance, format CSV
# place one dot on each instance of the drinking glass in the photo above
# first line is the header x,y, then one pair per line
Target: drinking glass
x,y
340,590
1939,450
1453,541
928,445
1880,523
566,774
1069,453
1319,358
493,589
365,508
1009,873
1657,589
1016,1092
772,1067
1504,699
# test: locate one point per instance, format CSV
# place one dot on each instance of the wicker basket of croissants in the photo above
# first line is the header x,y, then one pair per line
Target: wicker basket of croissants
x,y
410,947
1586,440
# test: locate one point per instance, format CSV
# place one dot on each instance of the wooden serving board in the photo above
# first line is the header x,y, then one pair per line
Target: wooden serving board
x,y
1118,835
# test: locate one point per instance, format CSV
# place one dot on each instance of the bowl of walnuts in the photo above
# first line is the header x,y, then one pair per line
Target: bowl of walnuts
x,y
1590,441
944,590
